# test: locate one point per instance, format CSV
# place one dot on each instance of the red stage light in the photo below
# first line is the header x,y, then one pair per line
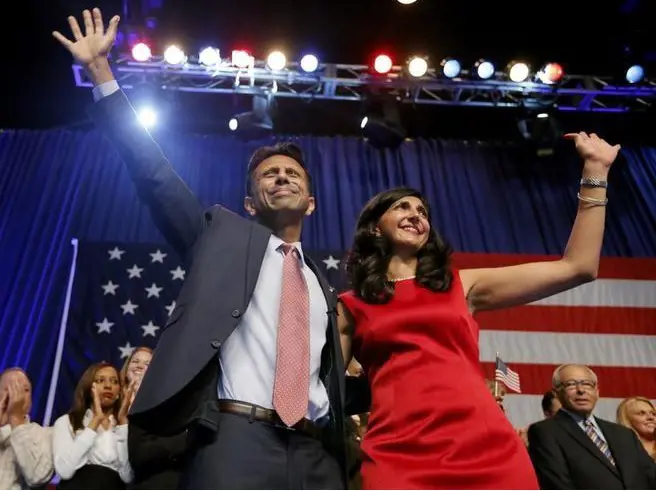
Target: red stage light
x,y
383,64
141,52
551,73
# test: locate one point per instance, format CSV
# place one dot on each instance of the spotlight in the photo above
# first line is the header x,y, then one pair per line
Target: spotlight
x,y
209,56
256,123
417,66
406,2
383,64
276,61
550,74
450,67
518,71
147,117
635,74
241,58
141,52
174,56
381,123
484,69
309,63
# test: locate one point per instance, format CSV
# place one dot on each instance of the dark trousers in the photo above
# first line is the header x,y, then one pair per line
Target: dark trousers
x,y
248,454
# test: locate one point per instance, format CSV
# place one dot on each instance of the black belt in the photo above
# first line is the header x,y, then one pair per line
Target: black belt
x,y
264,415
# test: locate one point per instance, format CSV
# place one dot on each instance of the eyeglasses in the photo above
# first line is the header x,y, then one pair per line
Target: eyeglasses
x,y
575,384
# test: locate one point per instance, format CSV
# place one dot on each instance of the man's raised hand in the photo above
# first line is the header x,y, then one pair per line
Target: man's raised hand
x,y
94,45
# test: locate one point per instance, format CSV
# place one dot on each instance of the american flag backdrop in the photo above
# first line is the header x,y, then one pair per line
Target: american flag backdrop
x,y
121,295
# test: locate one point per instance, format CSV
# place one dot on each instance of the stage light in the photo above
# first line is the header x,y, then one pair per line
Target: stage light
x,y
551,73
364,122
484,69
233,124
209,56
241,58
277,61
309,63
147,117
417,66
383,64
635,74
518,71
174,56
406,2
450,67
141,52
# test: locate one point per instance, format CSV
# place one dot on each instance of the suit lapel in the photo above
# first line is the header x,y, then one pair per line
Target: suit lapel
x,y
567,422
614,444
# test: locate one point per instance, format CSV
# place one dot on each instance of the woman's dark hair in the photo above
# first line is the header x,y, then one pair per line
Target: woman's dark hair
x,y
370,255
82,398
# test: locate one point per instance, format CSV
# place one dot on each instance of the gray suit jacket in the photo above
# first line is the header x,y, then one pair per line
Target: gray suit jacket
x,y
223,253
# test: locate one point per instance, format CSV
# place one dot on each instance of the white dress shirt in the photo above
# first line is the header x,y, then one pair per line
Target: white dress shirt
x,y
248,356
25,456
73,450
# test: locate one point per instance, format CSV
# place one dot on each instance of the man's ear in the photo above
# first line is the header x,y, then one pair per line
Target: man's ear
x,y
311,206
249,206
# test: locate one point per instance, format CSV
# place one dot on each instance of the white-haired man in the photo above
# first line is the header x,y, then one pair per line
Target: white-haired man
x,y
575,450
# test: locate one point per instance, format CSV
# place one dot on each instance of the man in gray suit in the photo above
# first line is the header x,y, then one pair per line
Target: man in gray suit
x,y
260,413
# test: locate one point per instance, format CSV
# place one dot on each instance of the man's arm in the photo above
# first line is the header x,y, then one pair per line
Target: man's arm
x,y
548,460
32,446
174,208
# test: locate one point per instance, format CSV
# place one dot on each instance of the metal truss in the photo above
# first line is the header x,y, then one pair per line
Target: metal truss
x,y
357,83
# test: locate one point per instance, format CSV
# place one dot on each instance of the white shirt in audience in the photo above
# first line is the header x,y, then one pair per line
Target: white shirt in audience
x,y
25,456
108,448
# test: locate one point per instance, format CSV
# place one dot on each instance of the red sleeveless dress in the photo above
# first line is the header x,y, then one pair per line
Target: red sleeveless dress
x,y
433,423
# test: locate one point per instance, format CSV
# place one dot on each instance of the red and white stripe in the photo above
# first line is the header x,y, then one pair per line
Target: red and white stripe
x,y
609,325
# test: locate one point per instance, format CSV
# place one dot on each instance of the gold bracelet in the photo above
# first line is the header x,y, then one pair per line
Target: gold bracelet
x,y
592,201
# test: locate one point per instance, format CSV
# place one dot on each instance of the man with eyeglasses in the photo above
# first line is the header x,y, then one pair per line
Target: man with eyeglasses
x,y
575,450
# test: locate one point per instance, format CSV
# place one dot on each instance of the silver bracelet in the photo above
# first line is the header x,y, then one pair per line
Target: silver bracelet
x,y
592,201
593,182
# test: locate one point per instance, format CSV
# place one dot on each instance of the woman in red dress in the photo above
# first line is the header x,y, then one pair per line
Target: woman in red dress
x,y
408,320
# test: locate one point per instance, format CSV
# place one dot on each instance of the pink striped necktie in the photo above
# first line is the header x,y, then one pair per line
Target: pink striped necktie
x,y
292,382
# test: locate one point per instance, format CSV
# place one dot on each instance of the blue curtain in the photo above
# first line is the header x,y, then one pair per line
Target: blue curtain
x,y
56,185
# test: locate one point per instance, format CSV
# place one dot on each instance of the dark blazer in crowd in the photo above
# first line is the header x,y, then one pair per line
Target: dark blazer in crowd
x,y
156,460
565,457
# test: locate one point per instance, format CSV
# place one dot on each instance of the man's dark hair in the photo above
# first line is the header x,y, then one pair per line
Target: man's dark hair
x,y
547,401
286,149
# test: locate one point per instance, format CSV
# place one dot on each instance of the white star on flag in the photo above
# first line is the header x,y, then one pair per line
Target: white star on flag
x,y
104,326
129,307
149,329
134,271
115,253
178,273
126,350
109,288
153,290
158,256
170,308
331,262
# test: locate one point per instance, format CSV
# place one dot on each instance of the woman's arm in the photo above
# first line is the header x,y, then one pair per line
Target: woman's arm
x,y
345,325
493,288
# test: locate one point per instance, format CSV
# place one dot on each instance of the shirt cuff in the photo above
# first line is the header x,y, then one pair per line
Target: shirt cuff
x,y
103,90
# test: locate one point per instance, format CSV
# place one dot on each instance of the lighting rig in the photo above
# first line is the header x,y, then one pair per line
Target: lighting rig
x,y
414,82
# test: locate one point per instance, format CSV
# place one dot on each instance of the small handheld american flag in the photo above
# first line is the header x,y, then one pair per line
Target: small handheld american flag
x,y
506,376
